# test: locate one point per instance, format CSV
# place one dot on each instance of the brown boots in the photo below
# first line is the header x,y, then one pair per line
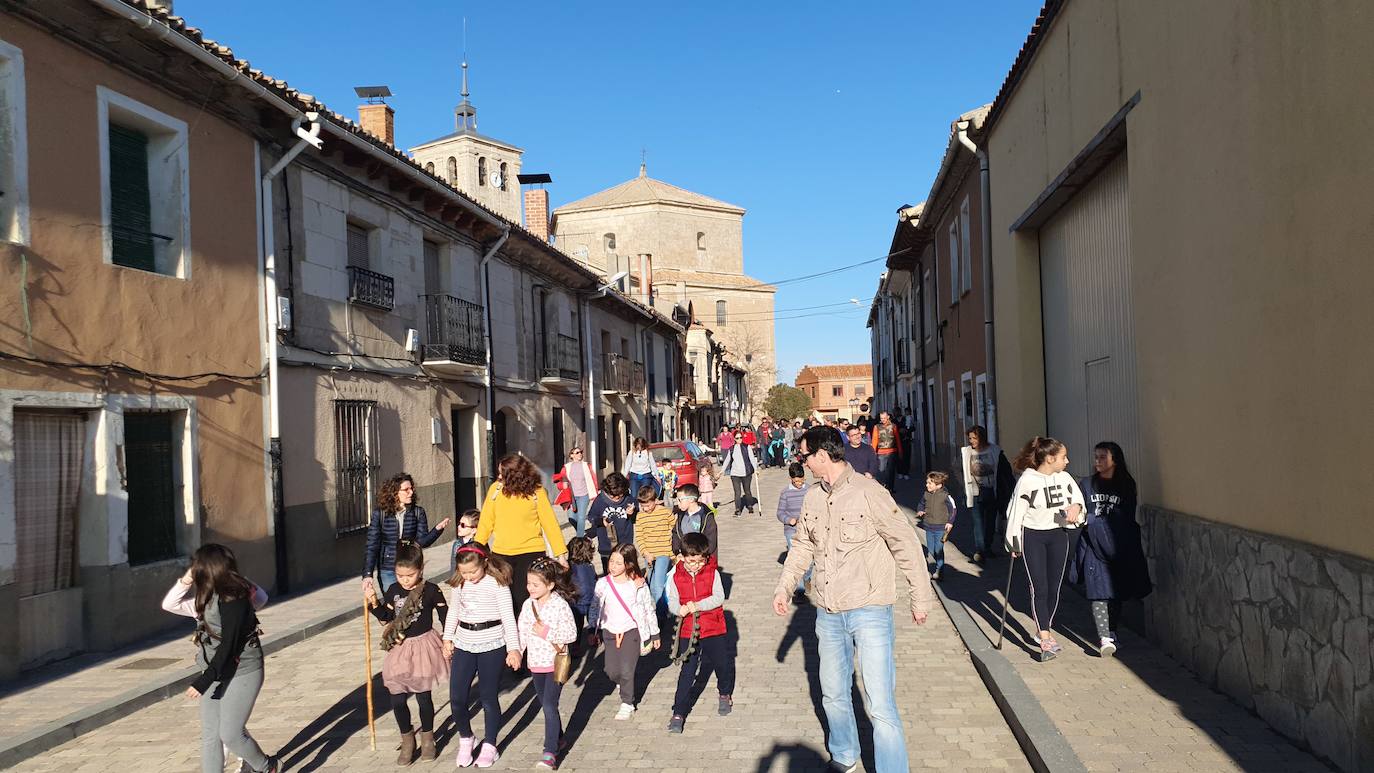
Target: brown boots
x,y
407,754
427,751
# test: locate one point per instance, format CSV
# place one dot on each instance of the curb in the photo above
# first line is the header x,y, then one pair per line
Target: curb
x,y
1044,746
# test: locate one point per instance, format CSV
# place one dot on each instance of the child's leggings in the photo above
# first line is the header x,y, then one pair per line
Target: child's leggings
x,y
402,711
621,662
486,666
549,691
712,653
1047,557
224,720
1106,614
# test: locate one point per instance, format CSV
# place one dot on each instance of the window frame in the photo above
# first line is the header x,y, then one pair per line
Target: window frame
x,y
968,408
451,167
367,232
366,425
171,192
952,411
14,145
481,171
929,303
954,262
965,248
722,312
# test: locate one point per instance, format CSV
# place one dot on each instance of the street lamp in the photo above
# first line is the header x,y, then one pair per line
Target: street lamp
x,y
853,407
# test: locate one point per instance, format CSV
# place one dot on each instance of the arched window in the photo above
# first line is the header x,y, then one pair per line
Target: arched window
x,y
430,167
720,312
482,170
701,241
609,241
504,182
452,170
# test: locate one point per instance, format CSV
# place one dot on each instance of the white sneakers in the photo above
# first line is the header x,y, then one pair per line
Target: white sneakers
x,y
1107,648
626,710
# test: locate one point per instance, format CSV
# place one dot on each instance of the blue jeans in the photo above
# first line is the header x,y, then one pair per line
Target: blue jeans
x,y
580,514
801,586
870,630
887,470
984,521
388,579
638,481
658,581
935,547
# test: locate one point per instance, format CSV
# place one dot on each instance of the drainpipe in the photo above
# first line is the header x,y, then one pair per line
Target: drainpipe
x,y
486,341
589,366
986,216
269,273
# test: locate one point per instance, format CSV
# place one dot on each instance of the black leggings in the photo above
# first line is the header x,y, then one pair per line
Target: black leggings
x,y
548,691
402,711
486,666
519,566
1047,557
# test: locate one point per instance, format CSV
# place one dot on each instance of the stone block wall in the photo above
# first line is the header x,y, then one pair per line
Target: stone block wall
x,y
1282,627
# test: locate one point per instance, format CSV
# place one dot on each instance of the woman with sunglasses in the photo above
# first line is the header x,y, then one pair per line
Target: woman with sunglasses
x,y
582,480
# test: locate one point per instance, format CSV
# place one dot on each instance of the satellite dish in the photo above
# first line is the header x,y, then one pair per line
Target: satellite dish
x,y
495,179
863,408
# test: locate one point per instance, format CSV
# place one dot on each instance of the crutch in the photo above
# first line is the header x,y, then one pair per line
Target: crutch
x,y
1006,602
367,642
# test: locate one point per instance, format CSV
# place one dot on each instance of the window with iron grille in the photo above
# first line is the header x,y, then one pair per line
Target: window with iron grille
x,y
150,474
356,447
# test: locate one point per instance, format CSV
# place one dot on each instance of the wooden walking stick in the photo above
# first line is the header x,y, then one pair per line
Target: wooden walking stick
x,y
367,642
1006,602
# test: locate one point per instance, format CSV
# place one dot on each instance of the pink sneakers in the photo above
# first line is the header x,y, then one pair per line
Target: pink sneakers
x,y
488,756
465,751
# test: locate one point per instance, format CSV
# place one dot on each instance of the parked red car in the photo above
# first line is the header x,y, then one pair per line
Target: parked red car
x,y
685,456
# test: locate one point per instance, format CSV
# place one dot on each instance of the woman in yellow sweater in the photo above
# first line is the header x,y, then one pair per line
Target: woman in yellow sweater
x,y
518,521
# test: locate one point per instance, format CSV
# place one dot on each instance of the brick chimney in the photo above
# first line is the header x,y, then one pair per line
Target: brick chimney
x,y
646,279
379,120
537,212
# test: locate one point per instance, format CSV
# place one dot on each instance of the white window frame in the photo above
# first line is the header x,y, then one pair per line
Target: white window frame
x,y
14,147
965,247
929,305
171,189
966,398
952,411
980,401
954,262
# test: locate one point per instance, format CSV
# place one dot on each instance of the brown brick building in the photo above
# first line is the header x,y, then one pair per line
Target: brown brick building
x,y
837,391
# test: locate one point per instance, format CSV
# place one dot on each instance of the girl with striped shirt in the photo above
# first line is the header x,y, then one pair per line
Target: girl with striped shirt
x,y
480,634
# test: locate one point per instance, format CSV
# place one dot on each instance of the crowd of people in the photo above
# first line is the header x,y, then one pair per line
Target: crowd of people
x,y
646,561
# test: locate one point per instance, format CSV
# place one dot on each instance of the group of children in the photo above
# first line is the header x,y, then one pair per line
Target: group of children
x,y
568,606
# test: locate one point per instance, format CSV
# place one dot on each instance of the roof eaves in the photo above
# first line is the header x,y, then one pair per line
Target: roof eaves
x,y
1048,12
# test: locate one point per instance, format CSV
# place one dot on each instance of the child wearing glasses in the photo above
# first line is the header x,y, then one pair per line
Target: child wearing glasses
x,y
697,598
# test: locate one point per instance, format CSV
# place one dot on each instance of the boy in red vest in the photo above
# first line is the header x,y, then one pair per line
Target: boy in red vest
x,y
696,596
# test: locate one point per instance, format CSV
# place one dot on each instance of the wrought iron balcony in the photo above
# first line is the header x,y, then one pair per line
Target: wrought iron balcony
x,y
903,357
621,375
368,288
562,358
454,332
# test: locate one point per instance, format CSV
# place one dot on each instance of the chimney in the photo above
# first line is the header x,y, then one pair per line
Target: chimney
x,y
537,212
379,120
646,279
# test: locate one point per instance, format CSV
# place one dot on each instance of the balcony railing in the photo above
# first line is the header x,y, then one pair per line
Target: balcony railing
x,y
454,330
903,357
620,374
562,358
368,288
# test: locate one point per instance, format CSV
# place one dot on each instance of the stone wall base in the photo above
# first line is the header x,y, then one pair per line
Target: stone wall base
x,y
1282,627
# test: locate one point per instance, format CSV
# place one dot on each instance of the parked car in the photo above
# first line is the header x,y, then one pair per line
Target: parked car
x,y
685,456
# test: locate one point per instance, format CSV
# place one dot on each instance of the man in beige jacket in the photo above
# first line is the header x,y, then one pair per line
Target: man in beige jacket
x,y
851,529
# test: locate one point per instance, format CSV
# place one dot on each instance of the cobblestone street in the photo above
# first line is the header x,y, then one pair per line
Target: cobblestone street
x,y
312,710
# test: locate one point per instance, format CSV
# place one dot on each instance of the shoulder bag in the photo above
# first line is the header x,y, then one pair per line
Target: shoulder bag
x,y
562,659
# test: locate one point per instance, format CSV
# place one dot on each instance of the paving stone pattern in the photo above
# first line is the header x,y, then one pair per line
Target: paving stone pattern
x,y
312,708
1140,710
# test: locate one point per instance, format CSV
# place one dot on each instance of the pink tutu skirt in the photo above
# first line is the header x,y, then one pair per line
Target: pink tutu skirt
x,y
415,664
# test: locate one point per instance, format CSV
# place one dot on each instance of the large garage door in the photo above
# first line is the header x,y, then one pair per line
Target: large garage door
x,y
1085,281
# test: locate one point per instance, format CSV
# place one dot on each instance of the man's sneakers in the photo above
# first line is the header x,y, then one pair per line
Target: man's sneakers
x,y
627,710
839,767
726,705
676,724
1107,649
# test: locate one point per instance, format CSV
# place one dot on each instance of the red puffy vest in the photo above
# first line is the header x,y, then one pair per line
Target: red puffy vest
x,y
695,588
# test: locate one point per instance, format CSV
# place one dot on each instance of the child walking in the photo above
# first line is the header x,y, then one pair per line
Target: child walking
x,y
706,483
611,516
466,529
547,628
415,657
581,551
654,536
666,478
936,511
789,513
696,596
623,616
480,635
693,516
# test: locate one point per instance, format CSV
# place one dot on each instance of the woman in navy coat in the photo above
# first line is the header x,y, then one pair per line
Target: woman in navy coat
x,y
1109,560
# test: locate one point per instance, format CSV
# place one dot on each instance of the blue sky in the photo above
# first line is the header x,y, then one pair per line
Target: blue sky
x,y
820,119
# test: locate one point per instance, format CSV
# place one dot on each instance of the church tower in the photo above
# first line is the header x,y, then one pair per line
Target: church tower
x,y
480,166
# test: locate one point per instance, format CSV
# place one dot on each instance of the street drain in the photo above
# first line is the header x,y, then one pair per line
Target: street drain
x,y
148,664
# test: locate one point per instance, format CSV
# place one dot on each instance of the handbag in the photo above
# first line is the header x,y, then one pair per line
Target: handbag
x,y
644,647
562,659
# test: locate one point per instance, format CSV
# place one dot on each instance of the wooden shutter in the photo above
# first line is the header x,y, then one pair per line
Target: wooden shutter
x,y
131,220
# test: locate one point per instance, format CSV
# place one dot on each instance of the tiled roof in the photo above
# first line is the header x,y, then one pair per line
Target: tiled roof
x,y
1048,11
711,279
646,190
824,372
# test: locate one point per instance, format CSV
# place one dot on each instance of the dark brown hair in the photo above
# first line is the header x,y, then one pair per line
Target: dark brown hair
x,y
215,572
937,477
581,550
472,553
1035,452
519,477
695,544
615,485
553,573
410,556
647,495
982,434
389,499
630,555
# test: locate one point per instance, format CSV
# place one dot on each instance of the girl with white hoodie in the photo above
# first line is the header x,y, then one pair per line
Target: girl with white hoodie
x,y
1045,506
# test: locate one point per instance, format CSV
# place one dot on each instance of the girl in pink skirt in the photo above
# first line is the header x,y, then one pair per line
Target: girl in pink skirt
x,y
414,650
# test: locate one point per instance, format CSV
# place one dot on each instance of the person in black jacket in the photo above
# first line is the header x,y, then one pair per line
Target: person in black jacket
x,y
228,652
1109,560
397,517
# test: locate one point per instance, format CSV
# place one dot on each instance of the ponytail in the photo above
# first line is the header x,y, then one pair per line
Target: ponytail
x,y
495,566
1035,452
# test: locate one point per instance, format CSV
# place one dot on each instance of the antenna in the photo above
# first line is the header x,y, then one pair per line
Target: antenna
x,y
643,161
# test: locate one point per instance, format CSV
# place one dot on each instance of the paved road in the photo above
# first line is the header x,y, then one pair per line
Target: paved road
x,y
312,709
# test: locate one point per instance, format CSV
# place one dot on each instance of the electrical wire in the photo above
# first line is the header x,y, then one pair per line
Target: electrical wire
x,y
820,274
119,367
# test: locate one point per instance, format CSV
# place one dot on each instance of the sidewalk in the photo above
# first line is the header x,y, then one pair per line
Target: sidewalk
x,y
1139,710
63,700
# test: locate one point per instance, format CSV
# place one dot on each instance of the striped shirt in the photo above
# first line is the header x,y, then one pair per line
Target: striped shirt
x,y
480,602
654,532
